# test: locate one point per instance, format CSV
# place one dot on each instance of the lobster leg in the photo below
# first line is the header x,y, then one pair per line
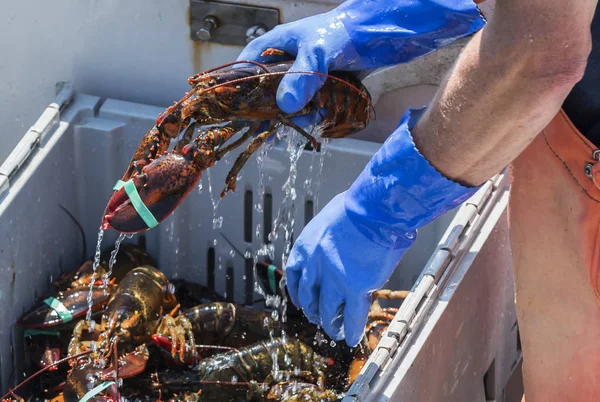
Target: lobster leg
x,y
391,294
243,158
180,330
222,152
186,138
286,121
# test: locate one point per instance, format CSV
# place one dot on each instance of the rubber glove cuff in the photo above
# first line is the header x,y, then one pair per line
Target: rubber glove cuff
x,y
399,191
389,32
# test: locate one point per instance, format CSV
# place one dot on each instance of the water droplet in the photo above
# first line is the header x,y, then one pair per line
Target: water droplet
x,y
232,253
218,222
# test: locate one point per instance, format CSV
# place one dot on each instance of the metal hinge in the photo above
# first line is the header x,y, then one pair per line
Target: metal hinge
x,y
419,302
35,136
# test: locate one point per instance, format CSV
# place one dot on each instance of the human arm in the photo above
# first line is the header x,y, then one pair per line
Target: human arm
x,y
508,83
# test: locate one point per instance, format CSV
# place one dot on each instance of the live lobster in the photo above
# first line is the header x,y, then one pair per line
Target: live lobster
x,y
241,100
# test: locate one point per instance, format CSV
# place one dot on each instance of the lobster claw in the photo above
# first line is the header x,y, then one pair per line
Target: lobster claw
x,y
159,188
64,308
130,365
165,345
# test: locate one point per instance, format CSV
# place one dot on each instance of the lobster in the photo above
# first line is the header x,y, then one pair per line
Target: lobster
x,y
224,324
231,326
84,378
250,364
49,321
239,98
137,309
70,302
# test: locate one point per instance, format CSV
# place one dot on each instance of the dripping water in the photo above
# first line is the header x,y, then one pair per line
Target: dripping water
x,y
217,222
286,214
324,152
88,316
284,220
113,259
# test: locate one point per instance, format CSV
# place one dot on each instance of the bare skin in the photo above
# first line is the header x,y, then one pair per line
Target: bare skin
x,y
509,82
506,86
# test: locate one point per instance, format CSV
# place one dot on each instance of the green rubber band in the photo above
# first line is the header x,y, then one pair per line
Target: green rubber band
x,y
137,202
118,185
96,390
272,283
29,332
60,309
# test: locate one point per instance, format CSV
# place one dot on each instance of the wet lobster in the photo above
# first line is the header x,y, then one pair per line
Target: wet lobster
x,y
239,98
219,323
217,377
138,308
49,322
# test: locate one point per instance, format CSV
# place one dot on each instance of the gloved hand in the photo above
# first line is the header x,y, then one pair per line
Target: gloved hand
x,y
360,35
350,249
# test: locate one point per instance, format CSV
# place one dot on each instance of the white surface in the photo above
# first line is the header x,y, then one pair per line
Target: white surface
x,y
132,50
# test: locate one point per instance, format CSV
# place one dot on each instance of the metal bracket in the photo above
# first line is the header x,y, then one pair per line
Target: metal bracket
x,y
230,24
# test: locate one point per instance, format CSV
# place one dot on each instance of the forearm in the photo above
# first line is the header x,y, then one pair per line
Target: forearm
x,y
508,83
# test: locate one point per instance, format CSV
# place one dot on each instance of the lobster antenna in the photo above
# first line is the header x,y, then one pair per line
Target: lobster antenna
x,y
216,347
233,63
80,230
116,363
56,363
167,112
270,74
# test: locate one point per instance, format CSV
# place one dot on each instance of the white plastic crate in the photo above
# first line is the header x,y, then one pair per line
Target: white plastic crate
x,y
73,160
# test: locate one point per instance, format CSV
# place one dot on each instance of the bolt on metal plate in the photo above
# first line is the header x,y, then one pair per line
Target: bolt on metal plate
x,y
230,24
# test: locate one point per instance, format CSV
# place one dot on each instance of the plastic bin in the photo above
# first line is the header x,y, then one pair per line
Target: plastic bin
x,y
452,340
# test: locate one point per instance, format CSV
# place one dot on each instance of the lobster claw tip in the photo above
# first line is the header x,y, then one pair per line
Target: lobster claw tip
x,y
161,341
158,190
121,216
105,222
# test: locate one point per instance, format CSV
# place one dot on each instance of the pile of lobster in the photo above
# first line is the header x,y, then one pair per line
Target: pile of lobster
x,y
154,339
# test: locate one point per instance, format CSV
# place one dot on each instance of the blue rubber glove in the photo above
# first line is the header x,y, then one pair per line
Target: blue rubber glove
x,y
360,35
350,249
